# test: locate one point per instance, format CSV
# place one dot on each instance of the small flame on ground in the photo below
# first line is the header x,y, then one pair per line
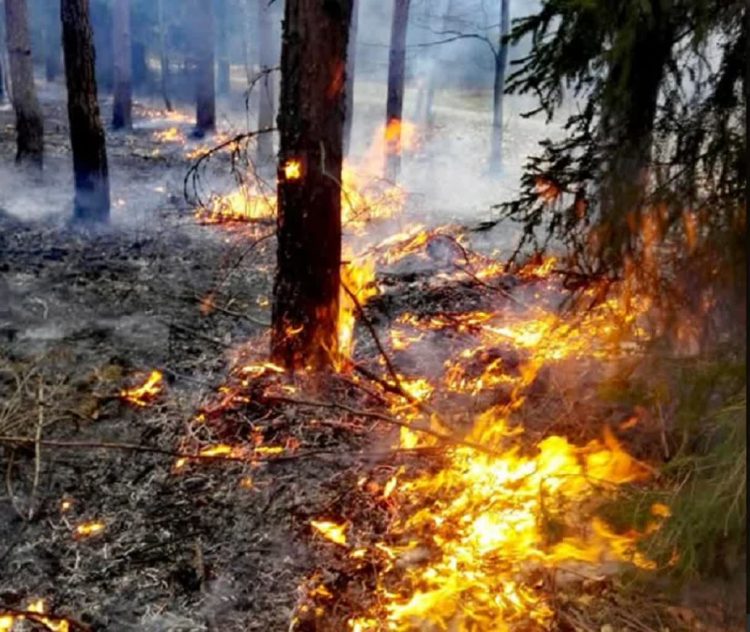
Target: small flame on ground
x,y
33,610
332,531
88,529
143,395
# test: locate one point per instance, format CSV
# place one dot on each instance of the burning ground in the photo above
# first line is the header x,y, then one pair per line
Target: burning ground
x,y
456,473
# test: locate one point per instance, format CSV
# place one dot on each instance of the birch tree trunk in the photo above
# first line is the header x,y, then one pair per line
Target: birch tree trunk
x,y
29,124
501,62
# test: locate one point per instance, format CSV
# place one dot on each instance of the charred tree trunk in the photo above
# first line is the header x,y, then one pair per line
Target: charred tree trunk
x,y
266,98
222,47
351,55
205,92
123,97
163,56
311,122
628,121
52,45
396,78
501,62
29,124
86,131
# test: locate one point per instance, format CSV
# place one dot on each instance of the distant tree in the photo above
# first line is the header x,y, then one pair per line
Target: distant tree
x,y
266,25
123,97
351,56
310,121
163,54
86,131
203,29
100,16
29,123
500,53
396,79
222,47
52,45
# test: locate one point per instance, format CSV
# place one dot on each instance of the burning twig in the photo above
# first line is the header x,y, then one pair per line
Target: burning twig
x,y
446,438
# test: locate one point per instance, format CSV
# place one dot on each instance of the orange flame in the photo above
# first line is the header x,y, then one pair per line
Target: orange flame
x,y
143,395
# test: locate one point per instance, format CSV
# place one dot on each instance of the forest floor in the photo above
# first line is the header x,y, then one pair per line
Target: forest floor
x,y
224,545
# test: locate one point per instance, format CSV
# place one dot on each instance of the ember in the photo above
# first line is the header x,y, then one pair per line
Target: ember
x,y
88,529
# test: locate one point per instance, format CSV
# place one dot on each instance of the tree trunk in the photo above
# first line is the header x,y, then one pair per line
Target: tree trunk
x,y
163,56
268,60
86,131
629,110
123,98
29,124
205,92
501,62
100,19
311,123
2,81
396,77
222,44
52,45
351,55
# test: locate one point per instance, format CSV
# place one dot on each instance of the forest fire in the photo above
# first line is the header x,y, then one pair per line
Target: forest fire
x,y
147,392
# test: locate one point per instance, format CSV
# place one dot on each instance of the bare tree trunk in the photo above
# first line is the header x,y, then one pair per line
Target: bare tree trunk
x,y
123,98
52,45
427,98
351,55
2,81
222,43
501,61
268,60
86,131
29,123
311,123
163,56
205,92
396,77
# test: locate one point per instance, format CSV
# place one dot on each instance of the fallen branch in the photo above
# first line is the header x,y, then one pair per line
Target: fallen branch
x,y
446,438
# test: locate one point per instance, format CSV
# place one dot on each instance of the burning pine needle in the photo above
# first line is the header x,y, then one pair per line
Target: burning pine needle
x,y
147,392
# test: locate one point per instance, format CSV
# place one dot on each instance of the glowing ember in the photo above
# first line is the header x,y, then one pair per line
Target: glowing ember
x,y
171,135
336,533
292,169
66,505
88,529
143,395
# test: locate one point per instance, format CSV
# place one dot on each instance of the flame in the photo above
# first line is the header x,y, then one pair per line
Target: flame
x,y
143,395
88,529
332,531
33,610
170,135
292,169
359,279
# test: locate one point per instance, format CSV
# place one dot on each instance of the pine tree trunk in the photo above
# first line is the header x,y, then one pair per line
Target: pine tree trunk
x,y
268,60
52,45
205,91
100,18
29,123
501,62
396,78
163,56
311,122
123,98
222,43
351,55
86,131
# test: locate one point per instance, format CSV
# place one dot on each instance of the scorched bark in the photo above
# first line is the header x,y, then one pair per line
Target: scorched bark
x,y
29,124
396,75
310,121
86,131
